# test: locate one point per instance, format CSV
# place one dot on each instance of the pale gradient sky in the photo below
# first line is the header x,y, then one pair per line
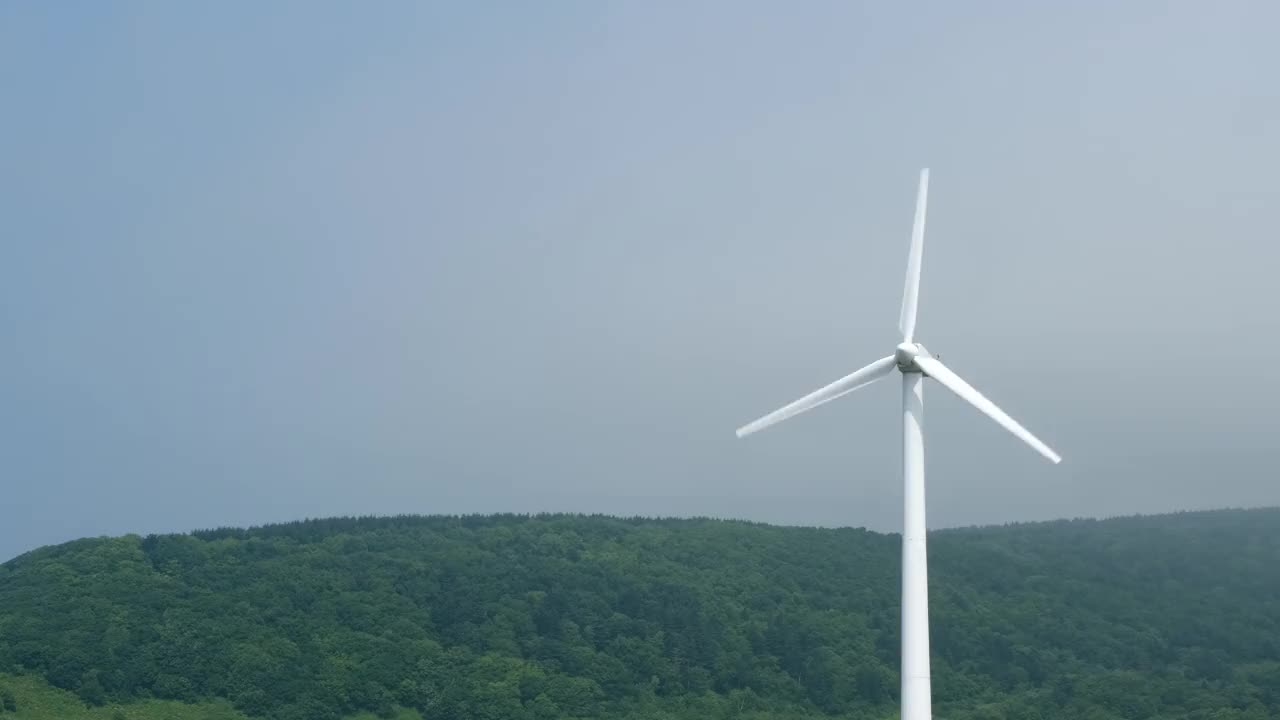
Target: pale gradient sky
x,y
267,261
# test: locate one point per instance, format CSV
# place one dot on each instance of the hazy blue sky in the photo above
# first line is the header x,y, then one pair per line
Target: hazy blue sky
x,y
261,261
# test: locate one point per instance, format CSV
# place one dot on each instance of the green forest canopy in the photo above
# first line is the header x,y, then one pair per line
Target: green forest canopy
x,y
552,616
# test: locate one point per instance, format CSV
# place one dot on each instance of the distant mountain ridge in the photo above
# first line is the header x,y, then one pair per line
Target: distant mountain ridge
x,y
551,616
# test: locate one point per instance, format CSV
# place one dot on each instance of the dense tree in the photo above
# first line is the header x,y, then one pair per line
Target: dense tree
x,y
559,616
8,702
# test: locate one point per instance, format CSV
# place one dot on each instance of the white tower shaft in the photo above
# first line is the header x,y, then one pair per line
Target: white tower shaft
x,y
915,572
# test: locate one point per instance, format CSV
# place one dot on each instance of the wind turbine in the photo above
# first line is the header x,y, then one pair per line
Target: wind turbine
x,y
915,363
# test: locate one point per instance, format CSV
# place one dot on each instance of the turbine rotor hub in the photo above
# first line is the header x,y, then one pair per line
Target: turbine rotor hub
x,y
905,355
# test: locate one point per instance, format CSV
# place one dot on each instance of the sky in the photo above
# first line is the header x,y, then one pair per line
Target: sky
x,y
260,262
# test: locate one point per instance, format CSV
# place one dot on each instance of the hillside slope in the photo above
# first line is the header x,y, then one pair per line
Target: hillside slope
x,y
1172,616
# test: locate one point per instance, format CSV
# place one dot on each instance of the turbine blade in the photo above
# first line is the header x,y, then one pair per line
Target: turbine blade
x,y
936,370
843,386
911,291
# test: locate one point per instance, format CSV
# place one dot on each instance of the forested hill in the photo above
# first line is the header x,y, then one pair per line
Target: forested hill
x,y
1174,616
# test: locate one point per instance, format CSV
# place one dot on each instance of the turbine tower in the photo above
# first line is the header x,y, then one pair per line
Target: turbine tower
x,y
915,363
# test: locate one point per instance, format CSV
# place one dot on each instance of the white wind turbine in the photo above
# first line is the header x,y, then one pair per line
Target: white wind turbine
x,y
915,363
